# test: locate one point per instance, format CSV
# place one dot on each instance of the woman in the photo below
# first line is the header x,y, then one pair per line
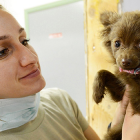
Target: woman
x,y
22,115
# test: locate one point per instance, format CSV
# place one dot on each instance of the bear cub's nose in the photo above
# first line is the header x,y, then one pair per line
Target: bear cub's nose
x,y
126,62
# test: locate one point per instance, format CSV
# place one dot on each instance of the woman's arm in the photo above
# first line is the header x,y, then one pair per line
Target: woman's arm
x,y
90,134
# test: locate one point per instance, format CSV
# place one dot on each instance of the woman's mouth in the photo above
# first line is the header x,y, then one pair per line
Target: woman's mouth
x,y
32,74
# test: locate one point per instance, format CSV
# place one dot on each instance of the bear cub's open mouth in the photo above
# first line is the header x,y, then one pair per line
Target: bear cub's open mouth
x,y
134,71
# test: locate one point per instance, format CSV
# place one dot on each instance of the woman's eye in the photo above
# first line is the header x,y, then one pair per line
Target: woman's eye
x,y
117,44
4,53
25,42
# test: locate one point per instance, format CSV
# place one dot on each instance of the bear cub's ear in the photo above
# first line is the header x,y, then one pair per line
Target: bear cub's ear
x,y
108,18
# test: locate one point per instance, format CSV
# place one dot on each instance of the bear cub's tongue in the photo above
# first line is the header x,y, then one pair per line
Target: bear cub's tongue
x,y
136,71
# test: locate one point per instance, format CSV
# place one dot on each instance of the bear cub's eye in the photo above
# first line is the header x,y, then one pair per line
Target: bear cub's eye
x,y
139,45
117,44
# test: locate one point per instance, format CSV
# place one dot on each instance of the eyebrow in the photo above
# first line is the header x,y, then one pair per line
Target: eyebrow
x,y
7,36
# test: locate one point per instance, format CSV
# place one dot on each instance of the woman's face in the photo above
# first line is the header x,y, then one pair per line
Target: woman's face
x,y
20,73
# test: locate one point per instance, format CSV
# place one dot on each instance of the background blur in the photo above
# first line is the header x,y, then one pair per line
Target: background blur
x,y
17,7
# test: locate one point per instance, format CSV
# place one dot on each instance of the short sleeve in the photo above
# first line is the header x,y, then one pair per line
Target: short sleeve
x,y
78,114
67,105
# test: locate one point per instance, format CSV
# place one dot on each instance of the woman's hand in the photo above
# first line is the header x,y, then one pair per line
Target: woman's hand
x,y
121,109
124,114
131,125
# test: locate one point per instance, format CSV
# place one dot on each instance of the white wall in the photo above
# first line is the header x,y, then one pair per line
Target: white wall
x,y
130,5
17,7
62,59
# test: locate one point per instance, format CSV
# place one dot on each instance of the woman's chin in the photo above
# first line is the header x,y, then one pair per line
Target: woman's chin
x,y
34,88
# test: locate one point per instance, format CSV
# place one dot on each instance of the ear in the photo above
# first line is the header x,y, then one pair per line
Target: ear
x,y
108,18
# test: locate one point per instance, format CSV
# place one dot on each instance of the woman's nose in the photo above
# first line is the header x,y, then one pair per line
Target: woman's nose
x,y
27,57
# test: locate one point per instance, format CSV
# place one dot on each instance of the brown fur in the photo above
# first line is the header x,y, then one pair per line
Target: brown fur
x,y
124,30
